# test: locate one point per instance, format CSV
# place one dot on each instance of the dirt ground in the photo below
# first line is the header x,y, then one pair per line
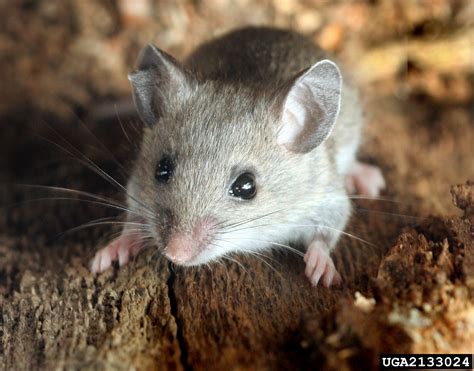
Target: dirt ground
x,y
408,276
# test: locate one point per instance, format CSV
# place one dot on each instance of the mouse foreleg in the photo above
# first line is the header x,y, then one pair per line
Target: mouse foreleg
x,y
319,264
121,249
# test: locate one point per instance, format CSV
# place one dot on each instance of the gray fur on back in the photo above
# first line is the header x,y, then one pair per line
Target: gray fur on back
x,y
268,57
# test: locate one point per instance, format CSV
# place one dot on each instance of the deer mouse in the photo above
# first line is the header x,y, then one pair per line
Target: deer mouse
x,y
249,144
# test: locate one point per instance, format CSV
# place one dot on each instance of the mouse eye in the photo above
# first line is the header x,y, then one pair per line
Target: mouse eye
x,y
244,187
164,170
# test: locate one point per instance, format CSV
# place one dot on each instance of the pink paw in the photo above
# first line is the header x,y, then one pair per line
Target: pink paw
x,y
121,249
365,179
319,264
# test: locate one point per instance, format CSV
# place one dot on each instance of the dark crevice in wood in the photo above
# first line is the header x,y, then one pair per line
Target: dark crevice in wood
x,y
174,313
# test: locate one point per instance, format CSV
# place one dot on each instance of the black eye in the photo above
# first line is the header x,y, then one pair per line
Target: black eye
x,y
244,187
164,170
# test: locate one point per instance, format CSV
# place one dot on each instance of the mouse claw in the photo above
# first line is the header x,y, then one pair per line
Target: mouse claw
x,y
120,249
319,265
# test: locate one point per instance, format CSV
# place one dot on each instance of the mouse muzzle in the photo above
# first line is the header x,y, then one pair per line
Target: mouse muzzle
x,y
182,248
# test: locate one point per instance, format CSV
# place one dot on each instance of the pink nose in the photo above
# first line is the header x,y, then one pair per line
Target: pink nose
x,y
183,248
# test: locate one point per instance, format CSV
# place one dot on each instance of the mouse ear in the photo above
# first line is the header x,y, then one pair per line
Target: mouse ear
x,y
158,76
310,107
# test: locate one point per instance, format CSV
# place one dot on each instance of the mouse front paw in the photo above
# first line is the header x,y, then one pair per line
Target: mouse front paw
x,y
121,249
364,179
320,265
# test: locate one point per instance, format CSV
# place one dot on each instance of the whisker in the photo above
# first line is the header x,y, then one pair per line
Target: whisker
x,y
264,262
94,167
265,241
266,256
69,190
229,258
220,261
96,224
245,221
253,253
123,128
306,226
235,261
103,200
104,147
369,198
25,202
387,213
141,234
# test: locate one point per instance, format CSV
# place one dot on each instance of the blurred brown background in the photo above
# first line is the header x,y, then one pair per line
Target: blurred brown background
x,y
58,55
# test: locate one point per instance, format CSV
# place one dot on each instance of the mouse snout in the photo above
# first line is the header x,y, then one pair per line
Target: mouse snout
x,y
183,247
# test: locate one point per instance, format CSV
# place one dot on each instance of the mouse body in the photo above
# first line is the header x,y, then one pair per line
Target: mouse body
x,y
248,144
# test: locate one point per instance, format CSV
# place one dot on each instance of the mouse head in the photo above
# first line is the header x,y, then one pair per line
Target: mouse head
x,y
225,167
